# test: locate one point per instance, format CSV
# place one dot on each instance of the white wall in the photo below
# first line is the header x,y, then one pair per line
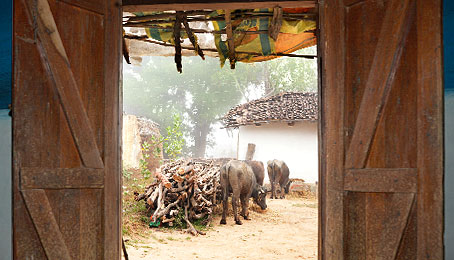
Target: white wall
x,y
296,145
5,186
131,142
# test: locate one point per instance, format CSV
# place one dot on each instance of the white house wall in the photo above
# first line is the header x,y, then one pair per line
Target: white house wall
x,y
296,145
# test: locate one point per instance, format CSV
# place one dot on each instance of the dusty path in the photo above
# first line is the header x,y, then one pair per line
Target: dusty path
x,y
286,230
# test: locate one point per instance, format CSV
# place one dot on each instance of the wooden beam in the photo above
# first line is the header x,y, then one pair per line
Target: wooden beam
x,y
331,134
75,178
230,39
46,225
148,6
391,41
250,151
192,38
430,130
276,23
381,180
58,67
177,40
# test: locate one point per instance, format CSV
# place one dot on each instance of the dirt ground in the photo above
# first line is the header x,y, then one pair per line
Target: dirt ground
x,y
287,229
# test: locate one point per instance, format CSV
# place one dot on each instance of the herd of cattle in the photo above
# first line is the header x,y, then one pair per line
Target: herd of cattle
x,y
244,179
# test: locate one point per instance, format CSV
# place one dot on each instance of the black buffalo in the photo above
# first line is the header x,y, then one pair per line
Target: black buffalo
x,y
278,173
237,177
258,169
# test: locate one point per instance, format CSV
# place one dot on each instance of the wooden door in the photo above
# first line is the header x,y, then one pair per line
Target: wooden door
x,y
66,132
381,137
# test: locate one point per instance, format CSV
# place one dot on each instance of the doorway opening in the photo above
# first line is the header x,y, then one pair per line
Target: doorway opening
x,y
219,108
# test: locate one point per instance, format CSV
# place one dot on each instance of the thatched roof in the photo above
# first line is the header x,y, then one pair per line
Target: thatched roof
x,y
287,107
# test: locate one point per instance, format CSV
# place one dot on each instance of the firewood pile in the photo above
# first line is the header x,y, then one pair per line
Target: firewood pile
x,y
288,107
184,187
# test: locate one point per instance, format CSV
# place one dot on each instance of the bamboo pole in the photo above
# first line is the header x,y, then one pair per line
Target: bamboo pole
x,y
230,40
145,38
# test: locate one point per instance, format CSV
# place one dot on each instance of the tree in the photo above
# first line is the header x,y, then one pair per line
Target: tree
x,y
204,91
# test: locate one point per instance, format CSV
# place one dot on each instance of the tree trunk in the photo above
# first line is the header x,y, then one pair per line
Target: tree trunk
x,y
201,131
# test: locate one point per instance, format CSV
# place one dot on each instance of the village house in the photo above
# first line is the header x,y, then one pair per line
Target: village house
x,y
385,123
281,127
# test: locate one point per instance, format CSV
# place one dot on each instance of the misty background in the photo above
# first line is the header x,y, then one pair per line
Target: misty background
x,y
205,92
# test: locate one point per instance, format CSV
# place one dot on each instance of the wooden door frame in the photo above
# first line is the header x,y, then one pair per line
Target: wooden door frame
x,y
429,133
331,151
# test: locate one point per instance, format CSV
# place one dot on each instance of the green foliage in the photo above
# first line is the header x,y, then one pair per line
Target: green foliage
x,y
179,220
172,143
143,163
127,174
205,91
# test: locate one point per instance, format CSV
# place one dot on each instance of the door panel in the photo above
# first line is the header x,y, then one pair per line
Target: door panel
x,y
66,130
381,166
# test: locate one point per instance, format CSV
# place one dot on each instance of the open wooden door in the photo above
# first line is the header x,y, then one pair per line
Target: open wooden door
x,y
381,137
66,129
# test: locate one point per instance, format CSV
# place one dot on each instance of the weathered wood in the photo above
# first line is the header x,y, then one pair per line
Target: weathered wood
x,y
393,33
61,178
177,40
381,180
44,221
430,130
165,17
230,40
58,67
332,45
192,38
146,6
250,151
146,39
112,231
276,23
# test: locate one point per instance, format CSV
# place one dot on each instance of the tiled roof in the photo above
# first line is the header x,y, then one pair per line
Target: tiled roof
x,y
287,107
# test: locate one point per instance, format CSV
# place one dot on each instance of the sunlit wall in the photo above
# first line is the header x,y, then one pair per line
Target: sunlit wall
x,y
296,145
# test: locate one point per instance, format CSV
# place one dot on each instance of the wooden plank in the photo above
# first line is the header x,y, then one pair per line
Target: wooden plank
x,y
387,216
250,151
61,178
393,33
332,67
381,180
355,225
56,62
91,242
49,233
148,6
111,212
430,130
97,6
230,40
276,23
393,225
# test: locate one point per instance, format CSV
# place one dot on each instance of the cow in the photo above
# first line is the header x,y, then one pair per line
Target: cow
x,y
278,173
258,169
237,177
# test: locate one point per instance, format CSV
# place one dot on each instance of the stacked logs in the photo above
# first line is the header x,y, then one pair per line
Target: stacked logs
x,y
288,106
186,187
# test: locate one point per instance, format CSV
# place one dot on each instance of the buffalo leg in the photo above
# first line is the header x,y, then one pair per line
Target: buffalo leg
x,y
272,189
225,195
235,198
224,211
245,207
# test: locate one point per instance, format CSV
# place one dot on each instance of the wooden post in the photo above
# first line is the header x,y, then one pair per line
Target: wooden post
x,y
250,151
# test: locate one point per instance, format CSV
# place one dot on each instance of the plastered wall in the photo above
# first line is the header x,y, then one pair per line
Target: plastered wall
x,y
296,145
